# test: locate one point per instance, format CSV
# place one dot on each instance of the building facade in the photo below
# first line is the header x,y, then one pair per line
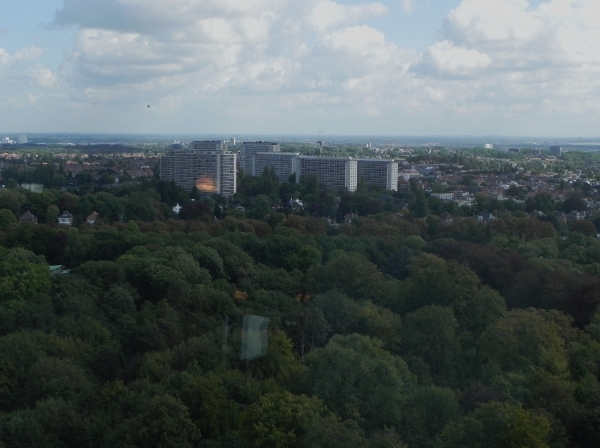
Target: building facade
x,y
335,173
251,148
207,165
380,172
284,163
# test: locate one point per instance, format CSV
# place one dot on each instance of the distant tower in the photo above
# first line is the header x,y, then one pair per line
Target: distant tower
x,y
22,139
232,141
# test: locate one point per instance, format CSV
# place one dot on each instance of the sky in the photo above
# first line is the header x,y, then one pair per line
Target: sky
x,y
388,67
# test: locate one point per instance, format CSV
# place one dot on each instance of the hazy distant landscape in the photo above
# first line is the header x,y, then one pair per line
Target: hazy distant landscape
x,y
582,144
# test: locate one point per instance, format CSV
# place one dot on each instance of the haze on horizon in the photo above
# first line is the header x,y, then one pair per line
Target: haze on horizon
x,y
390,67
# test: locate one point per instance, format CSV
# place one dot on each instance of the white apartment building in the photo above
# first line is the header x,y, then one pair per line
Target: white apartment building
x,y
207,165
335,173
284,163
251,148
380,172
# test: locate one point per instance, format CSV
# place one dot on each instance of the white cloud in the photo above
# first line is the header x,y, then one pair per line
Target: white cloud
x,y
289,66
24,55
506,59
23,80
43,77
446,58
265,46
326,14
515,35
408,6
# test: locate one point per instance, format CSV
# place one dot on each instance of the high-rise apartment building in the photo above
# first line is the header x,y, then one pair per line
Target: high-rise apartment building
x,y
207,165
555,150
284,163
209,146
251,148
335,173
380,172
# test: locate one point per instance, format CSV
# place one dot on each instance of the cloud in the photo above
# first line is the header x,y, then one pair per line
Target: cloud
x,y
445,57
289,66
43,77
408,6
262,46
25,54
326,14
512,58
516,36
22,78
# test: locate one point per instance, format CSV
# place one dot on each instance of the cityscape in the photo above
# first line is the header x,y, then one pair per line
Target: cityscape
x,y
300,224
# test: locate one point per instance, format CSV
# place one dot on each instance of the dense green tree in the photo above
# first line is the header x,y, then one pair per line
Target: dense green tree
x,y
210,409
585,227
523,340
420,207
358,278
544,203
499,425
140,206
432,409
574,202
307,328
357,378
340,312
432,281
6,219
52,213
280,419
431,333
22,275
165,423
386,323
331,432
10,200
39,203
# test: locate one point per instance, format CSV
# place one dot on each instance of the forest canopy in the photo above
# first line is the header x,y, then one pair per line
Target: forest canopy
x,y
389,329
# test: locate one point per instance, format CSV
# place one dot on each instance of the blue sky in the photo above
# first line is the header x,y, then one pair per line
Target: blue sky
x,y
396,67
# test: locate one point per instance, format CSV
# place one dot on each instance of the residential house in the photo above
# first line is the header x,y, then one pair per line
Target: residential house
x,y
65,219
443,196
92,218
332,223
446,218
28,217
575,216
485,217
560,217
